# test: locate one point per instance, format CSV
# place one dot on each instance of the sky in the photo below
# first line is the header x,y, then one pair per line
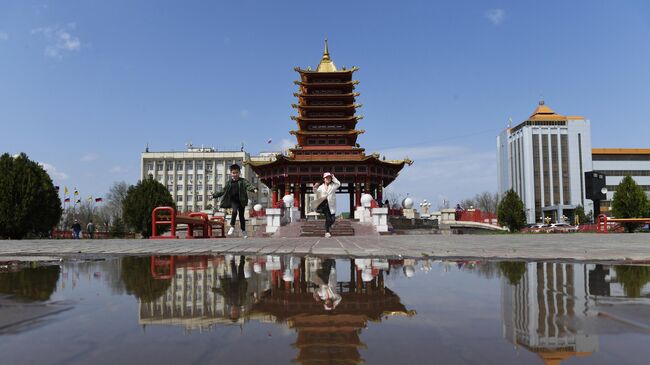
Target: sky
x,y
86,85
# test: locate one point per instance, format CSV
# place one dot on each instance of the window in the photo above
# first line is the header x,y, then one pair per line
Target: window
x,y
208,177
189,197
199,198
210,187
170,188
179,198
170,165
199,177
208,165
179,177
190,187
179,187
219,187
189,165
179,166
160,178
219,177
199,165
159,166
150,166
199,187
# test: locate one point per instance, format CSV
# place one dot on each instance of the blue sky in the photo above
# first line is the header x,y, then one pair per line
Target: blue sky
x,y
84,85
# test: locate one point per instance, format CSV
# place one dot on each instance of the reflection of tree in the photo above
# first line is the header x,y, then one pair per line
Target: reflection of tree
x,y
33,283
136,275
633,278
514,271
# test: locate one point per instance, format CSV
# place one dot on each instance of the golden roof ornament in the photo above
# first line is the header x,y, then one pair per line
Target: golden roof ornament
x,y
326,64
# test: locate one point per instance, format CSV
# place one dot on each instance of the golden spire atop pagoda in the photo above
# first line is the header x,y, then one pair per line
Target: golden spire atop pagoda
x,y
326,64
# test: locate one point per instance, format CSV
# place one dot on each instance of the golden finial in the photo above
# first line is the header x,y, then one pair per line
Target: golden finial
x,y
326,64
326,53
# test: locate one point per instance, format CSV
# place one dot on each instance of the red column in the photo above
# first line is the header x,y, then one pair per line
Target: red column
x,y
274,196
296,194
380,191
357,187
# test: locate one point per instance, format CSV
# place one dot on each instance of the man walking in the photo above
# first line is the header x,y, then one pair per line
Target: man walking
x,y
235,196
76,230
90,229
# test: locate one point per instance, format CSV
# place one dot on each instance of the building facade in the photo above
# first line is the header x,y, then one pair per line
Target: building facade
x,y
543,159
616,163
192,176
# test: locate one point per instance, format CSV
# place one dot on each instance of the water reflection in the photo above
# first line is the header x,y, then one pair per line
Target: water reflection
x,y
34,283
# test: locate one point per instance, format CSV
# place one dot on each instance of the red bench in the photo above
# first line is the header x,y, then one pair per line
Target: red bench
x,y
168,216
603,220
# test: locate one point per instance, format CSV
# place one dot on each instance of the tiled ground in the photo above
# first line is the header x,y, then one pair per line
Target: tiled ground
x,y
619,247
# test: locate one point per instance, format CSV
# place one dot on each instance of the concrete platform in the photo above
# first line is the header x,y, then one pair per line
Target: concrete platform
x,y
576,246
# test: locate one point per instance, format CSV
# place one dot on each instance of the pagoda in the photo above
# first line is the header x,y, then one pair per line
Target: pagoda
x,y
327,141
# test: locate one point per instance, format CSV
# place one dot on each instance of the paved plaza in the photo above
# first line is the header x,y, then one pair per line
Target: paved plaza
x,y
588,247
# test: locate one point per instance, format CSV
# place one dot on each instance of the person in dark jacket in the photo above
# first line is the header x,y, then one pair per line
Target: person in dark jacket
x,y
235,196
76,229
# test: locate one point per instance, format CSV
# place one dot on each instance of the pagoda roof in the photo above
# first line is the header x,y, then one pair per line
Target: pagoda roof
x,y
326,95
328,119
343,106
347,83
282,159
336,133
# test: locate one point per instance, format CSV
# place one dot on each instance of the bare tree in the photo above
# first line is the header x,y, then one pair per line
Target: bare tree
x,y
484,201
394,199
114,198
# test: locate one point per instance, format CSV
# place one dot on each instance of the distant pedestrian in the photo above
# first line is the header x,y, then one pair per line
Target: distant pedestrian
x,y
458,212
235,196
90,229
325,201
76,230
387,204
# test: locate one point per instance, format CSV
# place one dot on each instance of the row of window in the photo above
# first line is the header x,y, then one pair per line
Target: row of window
x,y
188,165
327,102
313,141
625,172
197,187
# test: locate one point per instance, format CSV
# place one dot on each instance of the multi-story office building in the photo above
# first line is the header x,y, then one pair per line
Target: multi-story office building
x,y
543,159
616,163
192,176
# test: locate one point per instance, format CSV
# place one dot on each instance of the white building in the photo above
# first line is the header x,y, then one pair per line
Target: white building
x,y
616,163
192,176
543,159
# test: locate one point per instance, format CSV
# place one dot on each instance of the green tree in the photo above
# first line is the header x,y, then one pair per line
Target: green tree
x,y
510,211
29,203
582,217
140,201
629,201
632,278
514,271
118,228
136,275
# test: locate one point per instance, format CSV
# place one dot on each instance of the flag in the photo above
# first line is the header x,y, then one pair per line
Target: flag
x,y
269,141
90,198
78,201
76,192
65,190
66,200
97,200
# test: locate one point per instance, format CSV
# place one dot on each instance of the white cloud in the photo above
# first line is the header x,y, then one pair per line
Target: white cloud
x,y
89,157
3,36
443,172
59,40
53,172
285,144
496,16
118,169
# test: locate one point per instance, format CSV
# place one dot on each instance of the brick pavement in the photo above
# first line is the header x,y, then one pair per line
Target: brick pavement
x,y
586,247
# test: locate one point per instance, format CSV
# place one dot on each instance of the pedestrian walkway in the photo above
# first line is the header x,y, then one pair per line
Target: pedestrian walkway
x,y
577,246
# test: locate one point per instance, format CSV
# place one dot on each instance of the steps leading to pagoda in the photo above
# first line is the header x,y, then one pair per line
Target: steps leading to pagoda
x,y
342,227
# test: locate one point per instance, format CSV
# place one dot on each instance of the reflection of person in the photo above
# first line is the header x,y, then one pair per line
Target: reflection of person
x,y
76,229
326,199
325,278
234,288
235,196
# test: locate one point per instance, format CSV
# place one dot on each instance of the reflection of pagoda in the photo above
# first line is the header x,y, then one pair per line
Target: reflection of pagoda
x,y
327,141
544,311
329,337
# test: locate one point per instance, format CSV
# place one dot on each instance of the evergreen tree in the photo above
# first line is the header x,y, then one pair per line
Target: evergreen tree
x,y
136,275
140,201
630,201
632,278
514,271
510,211
118,228
580,214
29,203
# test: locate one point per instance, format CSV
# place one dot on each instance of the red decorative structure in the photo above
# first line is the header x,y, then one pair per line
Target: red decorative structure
x,y
168,216
327,141
476,215
603,221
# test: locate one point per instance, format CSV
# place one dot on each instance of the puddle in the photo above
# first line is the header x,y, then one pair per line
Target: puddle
x,y
306,310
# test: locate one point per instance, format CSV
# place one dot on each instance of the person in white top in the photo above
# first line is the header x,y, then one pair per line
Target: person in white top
x,y
326,193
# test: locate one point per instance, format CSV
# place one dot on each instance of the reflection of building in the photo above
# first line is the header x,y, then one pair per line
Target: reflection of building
x,y
190,300
192,176
545,311
329,336
543,159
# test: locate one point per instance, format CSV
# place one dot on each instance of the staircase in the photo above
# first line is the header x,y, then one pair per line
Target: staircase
x,y
342,227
